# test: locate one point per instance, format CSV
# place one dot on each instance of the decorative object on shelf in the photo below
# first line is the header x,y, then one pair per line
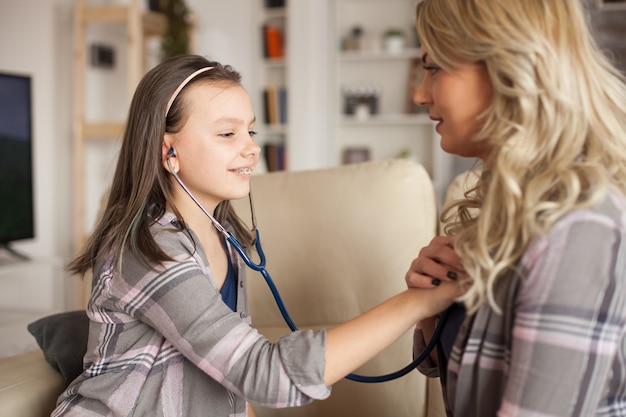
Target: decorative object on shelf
x,y
177,37
363,97
406,153
362,111
356,154
371,43
352,42
394,41
101,56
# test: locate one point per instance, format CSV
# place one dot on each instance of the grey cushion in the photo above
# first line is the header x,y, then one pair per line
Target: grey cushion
x,y
63,339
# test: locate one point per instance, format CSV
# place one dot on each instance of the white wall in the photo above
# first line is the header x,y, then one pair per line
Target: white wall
x,y
225,31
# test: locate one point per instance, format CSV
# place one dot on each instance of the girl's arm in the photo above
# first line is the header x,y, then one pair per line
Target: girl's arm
x,y
179,302
353,343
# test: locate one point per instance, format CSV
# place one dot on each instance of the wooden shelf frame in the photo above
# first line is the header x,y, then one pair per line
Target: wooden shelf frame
x,y
140,24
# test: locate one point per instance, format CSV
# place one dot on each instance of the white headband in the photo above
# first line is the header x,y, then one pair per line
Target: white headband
x,y
182,85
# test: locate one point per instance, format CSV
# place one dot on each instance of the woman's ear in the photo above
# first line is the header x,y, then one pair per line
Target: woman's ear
x,y
168,153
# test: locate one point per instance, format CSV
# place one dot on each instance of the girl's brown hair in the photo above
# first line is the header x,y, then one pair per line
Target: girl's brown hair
x,y
141,188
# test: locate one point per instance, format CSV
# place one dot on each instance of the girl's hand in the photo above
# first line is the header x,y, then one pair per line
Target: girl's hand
x,y
436,263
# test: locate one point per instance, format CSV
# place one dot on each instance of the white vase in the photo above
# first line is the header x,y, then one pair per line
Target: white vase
x,y
394,44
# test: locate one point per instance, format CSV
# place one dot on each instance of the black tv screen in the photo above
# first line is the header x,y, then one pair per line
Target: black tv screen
x,y
16,173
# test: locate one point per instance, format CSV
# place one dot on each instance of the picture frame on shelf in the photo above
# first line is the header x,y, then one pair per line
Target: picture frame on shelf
x,y
355,155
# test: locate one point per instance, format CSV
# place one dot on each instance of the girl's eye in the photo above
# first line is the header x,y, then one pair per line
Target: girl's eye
x,y
227,134
252,133
431,68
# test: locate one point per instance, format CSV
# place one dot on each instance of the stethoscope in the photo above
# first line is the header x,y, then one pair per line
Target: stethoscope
x,y
260,267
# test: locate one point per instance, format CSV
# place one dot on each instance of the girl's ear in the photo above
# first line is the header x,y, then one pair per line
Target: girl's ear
x,y
168,152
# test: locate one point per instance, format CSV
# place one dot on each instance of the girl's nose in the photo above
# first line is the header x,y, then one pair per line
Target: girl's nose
x,y
252,149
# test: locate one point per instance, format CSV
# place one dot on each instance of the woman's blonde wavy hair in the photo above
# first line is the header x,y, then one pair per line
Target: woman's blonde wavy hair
x,y
556,124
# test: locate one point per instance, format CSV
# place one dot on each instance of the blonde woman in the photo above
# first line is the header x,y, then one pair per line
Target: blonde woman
x,y
522,86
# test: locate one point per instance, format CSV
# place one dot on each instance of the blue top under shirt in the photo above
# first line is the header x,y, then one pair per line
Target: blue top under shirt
x,y
229,289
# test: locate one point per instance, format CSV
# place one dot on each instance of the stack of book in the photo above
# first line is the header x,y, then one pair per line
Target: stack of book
x,y
275,156
273,42
275,105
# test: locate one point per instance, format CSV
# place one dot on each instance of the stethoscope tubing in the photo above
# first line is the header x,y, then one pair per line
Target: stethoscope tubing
x,y
260,267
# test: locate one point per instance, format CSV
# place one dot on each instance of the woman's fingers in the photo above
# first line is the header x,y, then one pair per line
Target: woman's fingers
x,y
441,249
436,263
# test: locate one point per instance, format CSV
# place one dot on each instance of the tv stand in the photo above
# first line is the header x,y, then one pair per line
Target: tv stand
x,y
7,247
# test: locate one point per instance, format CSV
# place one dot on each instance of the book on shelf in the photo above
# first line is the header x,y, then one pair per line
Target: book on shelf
x,y
282,105
272,105
275,105
273,42
275,156
266,111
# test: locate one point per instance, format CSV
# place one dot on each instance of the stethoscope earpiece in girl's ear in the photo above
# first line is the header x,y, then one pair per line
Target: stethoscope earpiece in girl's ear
x,y
171,154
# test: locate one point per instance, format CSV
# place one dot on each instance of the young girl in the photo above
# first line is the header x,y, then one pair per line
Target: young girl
x,y
522,86
170,332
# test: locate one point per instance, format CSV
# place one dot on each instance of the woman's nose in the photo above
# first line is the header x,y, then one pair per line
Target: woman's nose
x,y
421,96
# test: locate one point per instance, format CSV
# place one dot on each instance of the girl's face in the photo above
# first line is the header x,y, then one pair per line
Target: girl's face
x,y
454,101
215,150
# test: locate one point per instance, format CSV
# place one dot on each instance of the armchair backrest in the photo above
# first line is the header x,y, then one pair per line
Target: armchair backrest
x,y
338,241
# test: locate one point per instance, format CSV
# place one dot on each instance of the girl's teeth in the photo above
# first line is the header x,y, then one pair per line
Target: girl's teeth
x,y
245,171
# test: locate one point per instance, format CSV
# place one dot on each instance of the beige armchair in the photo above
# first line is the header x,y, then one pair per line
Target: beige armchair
x,y
338,241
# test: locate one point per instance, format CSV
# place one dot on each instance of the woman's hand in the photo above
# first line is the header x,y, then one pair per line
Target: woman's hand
x,y
351,344
436,263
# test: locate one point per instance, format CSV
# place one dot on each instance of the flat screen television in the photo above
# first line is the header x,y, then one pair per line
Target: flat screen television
x,y
16,163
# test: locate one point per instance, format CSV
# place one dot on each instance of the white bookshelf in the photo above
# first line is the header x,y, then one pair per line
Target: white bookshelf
x,y
315,68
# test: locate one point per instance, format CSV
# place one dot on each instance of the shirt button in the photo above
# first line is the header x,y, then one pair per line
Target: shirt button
x,y
241,284
243,315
